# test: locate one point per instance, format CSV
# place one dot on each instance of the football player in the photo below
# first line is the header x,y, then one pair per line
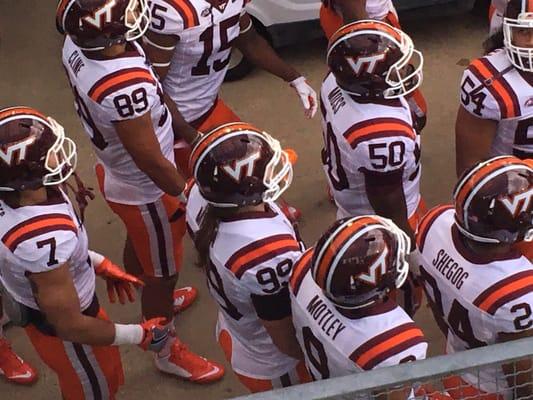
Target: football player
x,y
189,43
345,318
371,149
247,247
121,106
336,13
12,367
479,287
46,270
495,113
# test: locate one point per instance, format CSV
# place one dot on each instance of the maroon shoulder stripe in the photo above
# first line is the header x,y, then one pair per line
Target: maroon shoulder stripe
x,y
119,80
494,93
39,231
508,88
300,269
426,222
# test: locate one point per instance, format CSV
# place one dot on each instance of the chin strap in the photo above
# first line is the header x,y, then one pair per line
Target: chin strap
x,y
82,194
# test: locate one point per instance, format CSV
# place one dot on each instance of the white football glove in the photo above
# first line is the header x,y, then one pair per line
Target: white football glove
x,y
307,96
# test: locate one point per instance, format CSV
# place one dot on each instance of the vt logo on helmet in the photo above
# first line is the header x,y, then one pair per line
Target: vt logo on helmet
x,y
14,153
236,165
102,15
371,59
98,24
359,260
493,201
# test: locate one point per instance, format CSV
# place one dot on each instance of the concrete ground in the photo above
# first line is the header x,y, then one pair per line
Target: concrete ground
x,y
32,75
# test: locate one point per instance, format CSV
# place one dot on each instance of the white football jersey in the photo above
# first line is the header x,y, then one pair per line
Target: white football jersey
x,y
337,345
473,298
203,51
113,90
41,238
492,88
252,255
367,138
376,9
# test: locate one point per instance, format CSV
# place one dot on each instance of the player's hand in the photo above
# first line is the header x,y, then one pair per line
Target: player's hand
x,y
413,294
156,333
182,201
119,283
307,96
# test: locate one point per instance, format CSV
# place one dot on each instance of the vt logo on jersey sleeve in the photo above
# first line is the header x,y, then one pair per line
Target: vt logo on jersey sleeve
x,y
15,153
102,15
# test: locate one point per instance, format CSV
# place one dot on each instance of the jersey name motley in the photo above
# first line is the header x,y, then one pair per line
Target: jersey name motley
x,y
325,317
493,89
114,90
367,139
202,54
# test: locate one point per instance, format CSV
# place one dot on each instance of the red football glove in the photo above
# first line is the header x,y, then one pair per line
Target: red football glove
x,y
119,283
156,333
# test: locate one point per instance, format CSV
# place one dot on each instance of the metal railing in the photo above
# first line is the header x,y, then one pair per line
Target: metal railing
x,y
383,383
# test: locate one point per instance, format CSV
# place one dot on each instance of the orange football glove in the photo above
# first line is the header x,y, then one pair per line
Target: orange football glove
x,y
156,333
293,156
119,283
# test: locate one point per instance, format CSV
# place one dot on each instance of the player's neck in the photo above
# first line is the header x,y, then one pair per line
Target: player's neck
x,y
33,197
487,249
246,209
113,51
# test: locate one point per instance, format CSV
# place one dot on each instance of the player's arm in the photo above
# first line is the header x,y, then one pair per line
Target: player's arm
x,y
519,374
274,311
386,196
139,139
352,10
57,298
159,49
473,139
259,52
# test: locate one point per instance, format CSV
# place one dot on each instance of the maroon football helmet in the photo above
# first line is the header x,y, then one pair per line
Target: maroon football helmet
x,y
359,260
494,201
374,60
98,24
34,151
238,165
518,17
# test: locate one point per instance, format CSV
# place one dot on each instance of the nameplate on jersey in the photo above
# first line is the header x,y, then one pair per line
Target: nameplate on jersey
x,y
325,317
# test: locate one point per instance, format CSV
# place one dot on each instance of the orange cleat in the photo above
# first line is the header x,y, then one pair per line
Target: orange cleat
x,y
183,298
14,368
189,366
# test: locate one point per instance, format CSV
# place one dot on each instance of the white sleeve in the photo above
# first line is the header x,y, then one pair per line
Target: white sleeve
x,y
167,17
515,316
476,98
46,252
130,102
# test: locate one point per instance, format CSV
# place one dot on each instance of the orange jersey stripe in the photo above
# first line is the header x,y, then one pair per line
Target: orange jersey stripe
x,y
498,88
530,6
249,257
394,128
27,228
504,291
299,269
334,247
186,11
383,347
427,221
117,79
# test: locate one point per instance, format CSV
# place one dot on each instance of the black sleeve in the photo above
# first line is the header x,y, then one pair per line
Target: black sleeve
x,y
273,307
